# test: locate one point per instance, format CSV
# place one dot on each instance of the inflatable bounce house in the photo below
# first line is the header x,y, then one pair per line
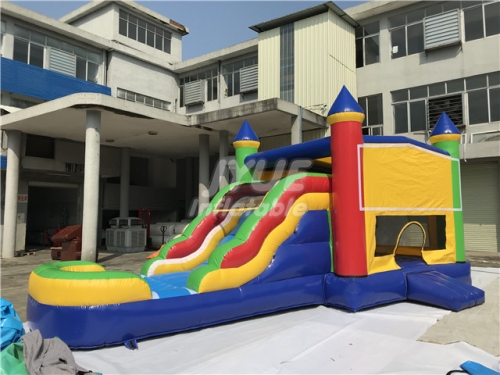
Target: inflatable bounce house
x,y
372,220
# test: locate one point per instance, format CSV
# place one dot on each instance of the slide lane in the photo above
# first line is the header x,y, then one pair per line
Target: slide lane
x,y
251,250
205,232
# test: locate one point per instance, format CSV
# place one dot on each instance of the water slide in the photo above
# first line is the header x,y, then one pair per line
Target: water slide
x,y
243,241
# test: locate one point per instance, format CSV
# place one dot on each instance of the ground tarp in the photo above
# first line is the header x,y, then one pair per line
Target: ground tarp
x,y
314,340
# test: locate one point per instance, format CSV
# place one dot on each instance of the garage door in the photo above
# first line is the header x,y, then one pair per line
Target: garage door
x,y
481,206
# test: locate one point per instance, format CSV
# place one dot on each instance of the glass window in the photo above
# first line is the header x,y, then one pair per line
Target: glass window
x,y
418,116
367,44
36,55
435,9
415,16
437,89
451,5
120,93
476,82
51,42
122,27
359,53
37,37
21,50
132,31
372,28
166,45
492,21
401,118
478,107
21,32
473,19
150,38
93,70
398,41
141,35
400,95
81,68
397,21
375,110
372,54
229,84
415,38
159,42
494,79
81,52
418,92
495,104
455,85
95,57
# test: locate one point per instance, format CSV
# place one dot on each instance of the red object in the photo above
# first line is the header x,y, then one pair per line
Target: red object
x,y
348,221
71,243
56,244
245,252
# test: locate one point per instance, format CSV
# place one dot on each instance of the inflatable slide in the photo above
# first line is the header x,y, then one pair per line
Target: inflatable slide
x,y
354,238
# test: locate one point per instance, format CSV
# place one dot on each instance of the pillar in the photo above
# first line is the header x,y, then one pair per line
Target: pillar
x,y
125,182
203,174
347,218
11,192
91,185
446,136
223,153
297,129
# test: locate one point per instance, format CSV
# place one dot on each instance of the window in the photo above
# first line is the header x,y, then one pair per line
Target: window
x,y
407,33
40,147
481,20
30,47
143,99
367,44
372,106
232,77
144,32
2,32
287,63
481,93
209,75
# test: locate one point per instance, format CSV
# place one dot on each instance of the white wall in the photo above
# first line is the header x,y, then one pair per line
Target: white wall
x,y
143,78
100,23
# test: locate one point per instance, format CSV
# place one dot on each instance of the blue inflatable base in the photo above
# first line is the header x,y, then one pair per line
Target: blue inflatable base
x,y
96,326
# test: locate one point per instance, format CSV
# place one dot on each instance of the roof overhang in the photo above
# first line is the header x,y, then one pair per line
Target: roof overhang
x,y
303,14
154,131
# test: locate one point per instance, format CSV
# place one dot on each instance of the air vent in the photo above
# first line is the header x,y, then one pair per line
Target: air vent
x,y
62,62
442,30
451,105
194,92
249,79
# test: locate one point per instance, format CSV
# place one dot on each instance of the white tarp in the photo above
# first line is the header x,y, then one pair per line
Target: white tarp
x,y
304,341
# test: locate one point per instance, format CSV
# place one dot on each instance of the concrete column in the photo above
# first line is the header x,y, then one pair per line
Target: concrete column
x,y
297,128
91,185
203,174
11,191
223,152
125,182
188,193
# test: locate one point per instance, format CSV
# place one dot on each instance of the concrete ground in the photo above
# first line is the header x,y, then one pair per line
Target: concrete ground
x,y
478,326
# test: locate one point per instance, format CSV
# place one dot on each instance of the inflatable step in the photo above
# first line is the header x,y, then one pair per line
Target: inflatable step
x,y
437,289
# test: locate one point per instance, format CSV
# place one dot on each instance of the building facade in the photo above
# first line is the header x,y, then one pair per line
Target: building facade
x,y
102,118
417,59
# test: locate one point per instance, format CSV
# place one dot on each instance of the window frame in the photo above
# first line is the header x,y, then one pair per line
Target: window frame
x,y
360,41
154,36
